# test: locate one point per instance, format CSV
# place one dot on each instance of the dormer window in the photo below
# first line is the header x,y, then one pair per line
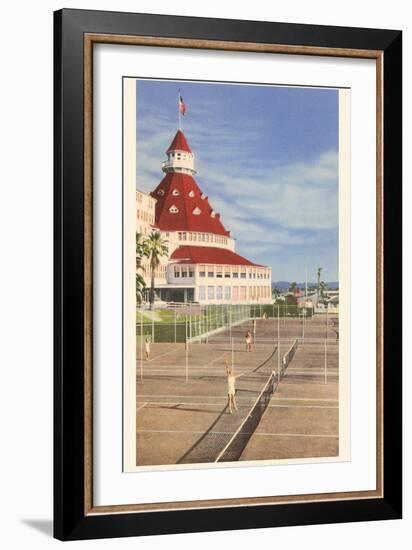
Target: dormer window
x,y
175,193
203,196
213,214
191,194
196,211
161,192
173,209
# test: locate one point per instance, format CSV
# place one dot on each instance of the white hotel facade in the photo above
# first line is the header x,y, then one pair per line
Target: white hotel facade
x,y
202,265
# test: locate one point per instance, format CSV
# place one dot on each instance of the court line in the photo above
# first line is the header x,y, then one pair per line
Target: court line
x,y
157,356
267,434
141,406
213,361
240,397
190,403
309,374
333,371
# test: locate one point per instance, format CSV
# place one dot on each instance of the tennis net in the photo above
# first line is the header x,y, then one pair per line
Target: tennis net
x,y
289,355
237,443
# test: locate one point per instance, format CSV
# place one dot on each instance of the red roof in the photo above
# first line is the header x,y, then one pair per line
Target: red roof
x,y
208,255
183,185
179,143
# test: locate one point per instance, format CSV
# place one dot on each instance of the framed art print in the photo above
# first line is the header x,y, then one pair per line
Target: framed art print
x,y
227,227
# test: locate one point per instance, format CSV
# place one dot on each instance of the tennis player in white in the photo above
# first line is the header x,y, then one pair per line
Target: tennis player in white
x,y
231,387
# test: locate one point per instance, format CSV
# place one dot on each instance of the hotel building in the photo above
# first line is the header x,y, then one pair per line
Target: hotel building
x,y
202,265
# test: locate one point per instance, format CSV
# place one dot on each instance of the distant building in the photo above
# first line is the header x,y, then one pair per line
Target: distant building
x,y
202,265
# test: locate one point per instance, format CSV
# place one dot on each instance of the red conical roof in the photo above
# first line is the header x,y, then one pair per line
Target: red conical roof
x,y
179,191
179,143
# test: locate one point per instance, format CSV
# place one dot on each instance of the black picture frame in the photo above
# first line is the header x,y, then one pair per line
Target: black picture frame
x,y
71,522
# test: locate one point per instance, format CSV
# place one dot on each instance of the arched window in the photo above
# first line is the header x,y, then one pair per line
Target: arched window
x,y
196,211
203,196
213,214
191,193
173,209
161,192
175,193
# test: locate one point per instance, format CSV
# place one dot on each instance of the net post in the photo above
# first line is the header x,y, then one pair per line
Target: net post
x,y
327,322
190,320
141,347
303,324
187,360
207,323
278,347
230,322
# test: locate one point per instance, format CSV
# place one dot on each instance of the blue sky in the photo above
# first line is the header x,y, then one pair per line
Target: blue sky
x,y
266,156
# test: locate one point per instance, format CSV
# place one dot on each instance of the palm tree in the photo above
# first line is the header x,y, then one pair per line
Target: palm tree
x,y
156,248
293,287
322,288
141,252
318,274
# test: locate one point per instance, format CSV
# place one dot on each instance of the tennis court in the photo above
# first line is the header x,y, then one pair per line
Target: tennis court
x,y
287,400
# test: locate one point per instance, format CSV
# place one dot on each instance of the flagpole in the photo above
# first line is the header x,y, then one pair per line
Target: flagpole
x,y
178,108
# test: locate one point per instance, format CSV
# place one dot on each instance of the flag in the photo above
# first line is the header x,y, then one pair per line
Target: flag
x,y
182,106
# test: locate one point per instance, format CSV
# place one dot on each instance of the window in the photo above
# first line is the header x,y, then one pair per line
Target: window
x,y
213,214
210,271
243,272
210,292
179,236
227,292
202,293
161,192
191,193
219,272
227,272
203,196
175,192
196,211
177,272
173,209
235,274
184,271
202,271
219,292
235,293
184,235
243,293
191,272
